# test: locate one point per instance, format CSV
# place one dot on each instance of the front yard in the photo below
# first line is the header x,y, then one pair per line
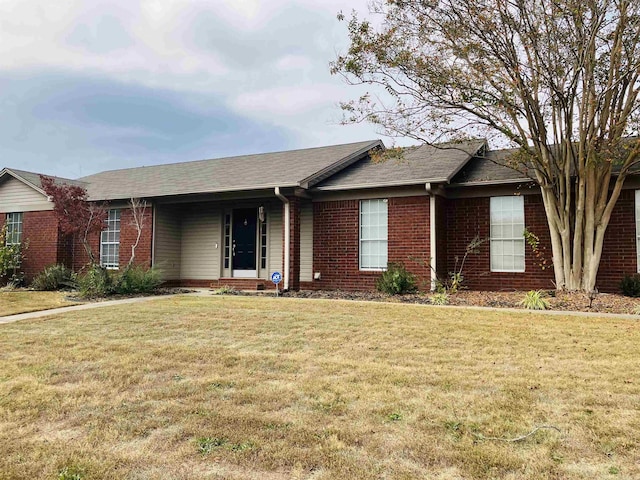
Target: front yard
x,y
22,301
248,387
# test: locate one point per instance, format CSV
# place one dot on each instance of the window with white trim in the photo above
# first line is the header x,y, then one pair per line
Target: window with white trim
x,y
373,234
638,229
14,228
110,241
507,234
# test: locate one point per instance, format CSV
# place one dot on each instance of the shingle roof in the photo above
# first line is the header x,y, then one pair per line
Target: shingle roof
x,y
489,169
33,179
420,164
249,172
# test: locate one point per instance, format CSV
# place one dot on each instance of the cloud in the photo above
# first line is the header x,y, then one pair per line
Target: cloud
x,y
121,82
82,126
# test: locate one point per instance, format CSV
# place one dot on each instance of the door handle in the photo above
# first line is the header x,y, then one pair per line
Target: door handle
x,y
234,249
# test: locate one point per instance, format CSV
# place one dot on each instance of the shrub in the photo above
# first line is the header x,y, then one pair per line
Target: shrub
x,y
54,277
96,282
396,280
137,280
439,298
225,290
534,300
630,285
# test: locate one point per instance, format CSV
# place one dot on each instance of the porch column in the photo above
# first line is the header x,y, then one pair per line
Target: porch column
x,y
294,243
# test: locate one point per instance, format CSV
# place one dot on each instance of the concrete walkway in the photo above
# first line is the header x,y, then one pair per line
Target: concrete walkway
x,y
89,306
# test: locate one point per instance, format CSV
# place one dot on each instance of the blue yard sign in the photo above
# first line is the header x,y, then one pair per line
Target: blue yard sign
x,y
276,277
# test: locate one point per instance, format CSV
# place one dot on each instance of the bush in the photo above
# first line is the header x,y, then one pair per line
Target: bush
x,y
630,285
396,280
441,298
100,282
54,277
96,282
534,300
137,280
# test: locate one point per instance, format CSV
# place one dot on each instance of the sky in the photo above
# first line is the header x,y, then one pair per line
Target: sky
x,y
88,86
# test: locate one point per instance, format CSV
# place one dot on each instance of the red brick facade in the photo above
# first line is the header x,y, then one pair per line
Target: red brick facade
x,y
128,234
469,217
40,234
336,242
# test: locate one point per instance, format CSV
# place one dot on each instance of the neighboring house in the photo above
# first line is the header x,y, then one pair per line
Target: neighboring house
x,y
327,218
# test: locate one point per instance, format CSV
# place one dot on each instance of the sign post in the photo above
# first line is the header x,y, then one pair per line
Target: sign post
x,y
276,278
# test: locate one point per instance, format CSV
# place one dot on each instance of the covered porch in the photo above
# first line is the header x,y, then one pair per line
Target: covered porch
x,y
236,240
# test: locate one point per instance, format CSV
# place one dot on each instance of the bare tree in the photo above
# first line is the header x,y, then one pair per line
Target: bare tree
x,y
556,78
138,217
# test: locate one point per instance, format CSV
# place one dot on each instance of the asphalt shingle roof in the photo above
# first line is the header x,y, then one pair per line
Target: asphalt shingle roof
x,y
249,172
490,168
33,178
421,164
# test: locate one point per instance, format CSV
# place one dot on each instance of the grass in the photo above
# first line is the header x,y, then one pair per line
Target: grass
x,y
22,301
248,388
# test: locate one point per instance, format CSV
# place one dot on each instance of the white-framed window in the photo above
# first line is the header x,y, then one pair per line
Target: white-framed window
x,y
110,241
638,229
507,234
14,228
373,234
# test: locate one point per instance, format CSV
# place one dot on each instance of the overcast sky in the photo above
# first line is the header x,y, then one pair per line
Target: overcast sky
x,y
90,85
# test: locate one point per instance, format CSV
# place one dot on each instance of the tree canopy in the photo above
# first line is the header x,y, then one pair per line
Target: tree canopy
x,y
556,78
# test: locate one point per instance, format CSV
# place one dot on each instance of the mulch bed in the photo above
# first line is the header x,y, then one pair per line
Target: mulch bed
x,y
601,303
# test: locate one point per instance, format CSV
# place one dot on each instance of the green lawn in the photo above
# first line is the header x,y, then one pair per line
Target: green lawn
x,y
22,301
265,388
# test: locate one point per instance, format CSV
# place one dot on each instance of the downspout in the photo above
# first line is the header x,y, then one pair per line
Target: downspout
x,y
287,236
432,235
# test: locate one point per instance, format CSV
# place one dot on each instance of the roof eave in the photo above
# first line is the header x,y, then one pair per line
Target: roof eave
x,y
179,194
336,188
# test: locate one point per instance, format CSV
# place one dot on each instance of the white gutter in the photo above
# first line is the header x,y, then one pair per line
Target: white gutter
x,y
287,236
432,235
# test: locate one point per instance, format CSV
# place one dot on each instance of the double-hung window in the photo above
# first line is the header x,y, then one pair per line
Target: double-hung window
x,y
14,228
110,241
373,234
507,234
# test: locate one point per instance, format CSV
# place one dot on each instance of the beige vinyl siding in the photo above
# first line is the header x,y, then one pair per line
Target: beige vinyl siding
x,y
306,242
201,244
15,196
168,242
275,239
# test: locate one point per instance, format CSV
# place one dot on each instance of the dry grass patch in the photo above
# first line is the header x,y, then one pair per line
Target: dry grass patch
x,y
22,301
243,388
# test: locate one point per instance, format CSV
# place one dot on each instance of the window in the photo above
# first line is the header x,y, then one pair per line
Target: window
x,y
227,239
507,234
110,241
638,229
14,228
373,234
263,242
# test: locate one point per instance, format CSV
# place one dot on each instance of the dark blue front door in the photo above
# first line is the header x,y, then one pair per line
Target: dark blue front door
x,y
245,222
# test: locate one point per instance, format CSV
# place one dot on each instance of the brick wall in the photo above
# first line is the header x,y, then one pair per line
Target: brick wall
x,y
336,242
469,217
128,234
619,249
294,246
40,231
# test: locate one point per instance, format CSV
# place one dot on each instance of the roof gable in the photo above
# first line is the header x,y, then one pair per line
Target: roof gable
x,y
420,164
